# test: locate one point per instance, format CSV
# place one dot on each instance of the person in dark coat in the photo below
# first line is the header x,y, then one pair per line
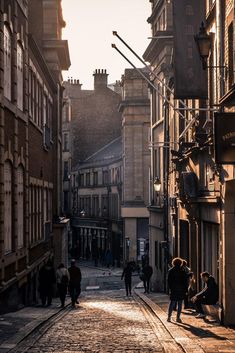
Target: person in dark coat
x,y
127,275
46,282
177,283
74,282
208,296
147,272
62,280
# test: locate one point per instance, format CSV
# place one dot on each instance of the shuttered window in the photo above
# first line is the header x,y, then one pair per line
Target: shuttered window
x,y
7,207
20,206
7,62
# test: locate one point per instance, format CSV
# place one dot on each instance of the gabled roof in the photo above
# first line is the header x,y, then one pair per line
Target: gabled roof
x,y
106,155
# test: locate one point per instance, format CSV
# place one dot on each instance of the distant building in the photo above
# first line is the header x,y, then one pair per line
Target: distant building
x,y
96,207
33,56
95,120
135,109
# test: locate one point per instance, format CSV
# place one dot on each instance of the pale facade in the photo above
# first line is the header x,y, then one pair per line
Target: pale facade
x,y
135,108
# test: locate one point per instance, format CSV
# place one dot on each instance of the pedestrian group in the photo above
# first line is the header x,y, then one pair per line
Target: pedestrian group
x,y
67,281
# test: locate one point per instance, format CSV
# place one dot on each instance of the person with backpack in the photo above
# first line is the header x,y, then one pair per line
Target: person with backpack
x,y
62,280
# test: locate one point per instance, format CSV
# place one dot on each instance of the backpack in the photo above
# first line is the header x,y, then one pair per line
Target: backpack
x,y
64,280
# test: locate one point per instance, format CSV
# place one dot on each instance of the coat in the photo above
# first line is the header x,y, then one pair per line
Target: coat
x,y
75,276
210,293
177,283
147,271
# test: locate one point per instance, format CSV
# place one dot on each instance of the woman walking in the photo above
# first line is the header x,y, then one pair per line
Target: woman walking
x,y
177,282
62,280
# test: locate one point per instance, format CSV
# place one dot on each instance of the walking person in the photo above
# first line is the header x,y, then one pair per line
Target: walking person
x,y
208,296
147,272
62,280
74,282
46,283
177,283
127,275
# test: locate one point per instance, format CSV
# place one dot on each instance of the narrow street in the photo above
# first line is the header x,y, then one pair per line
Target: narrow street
x,y
106,321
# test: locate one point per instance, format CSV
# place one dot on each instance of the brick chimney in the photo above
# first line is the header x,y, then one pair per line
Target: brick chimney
x,y
100,79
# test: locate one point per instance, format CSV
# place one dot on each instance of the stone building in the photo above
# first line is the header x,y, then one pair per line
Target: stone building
x,y
32,58
159,55
95,118
198,200
135,109
97,189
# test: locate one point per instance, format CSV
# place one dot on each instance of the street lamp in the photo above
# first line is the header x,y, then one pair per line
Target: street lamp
x,y
203,41
157,185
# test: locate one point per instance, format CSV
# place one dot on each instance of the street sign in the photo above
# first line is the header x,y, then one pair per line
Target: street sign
x,y
224,139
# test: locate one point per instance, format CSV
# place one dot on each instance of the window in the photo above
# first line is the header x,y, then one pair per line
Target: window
x,y
7,207
95,178
231,54
20,85
105,177
66,142
95,206
88,181
20,206
66,170
7,62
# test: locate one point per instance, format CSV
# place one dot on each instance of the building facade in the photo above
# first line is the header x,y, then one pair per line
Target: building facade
x,y
96,192
135,109
197,195
30,143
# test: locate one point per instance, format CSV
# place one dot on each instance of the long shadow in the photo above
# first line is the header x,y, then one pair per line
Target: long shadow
x,y
200,332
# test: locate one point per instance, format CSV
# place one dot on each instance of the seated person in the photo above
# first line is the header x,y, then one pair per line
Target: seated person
x,y
208,296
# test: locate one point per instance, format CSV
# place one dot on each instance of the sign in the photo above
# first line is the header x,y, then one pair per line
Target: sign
x,y
190,78
224,139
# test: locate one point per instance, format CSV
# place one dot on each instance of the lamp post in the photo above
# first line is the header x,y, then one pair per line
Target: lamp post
x,y
204,41
157,185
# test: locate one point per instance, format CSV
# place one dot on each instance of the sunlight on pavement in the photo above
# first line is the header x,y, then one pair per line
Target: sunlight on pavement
x,y
122,310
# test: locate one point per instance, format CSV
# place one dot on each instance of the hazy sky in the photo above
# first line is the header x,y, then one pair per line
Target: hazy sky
x,y
89,31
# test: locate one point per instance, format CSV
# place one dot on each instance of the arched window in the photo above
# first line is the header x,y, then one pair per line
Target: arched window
x,y
7,62
20,67
7,207
20,206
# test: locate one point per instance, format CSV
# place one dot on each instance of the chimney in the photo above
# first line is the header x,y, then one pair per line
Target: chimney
x,y
100,79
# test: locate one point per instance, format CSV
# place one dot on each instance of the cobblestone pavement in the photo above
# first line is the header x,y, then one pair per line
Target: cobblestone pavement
x,y
105,323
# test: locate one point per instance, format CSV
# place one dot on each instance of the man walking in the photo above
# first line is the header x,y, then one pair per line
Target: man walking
x,y
74,282
209,295
147,272
127,274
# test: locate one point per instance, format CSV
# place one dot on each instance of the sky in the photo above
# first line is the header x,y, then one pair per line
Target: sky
x,y
89,26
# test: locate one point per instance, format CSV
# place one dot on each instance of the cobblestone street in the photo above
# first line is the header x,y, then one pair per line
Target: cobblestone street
x,y
107,323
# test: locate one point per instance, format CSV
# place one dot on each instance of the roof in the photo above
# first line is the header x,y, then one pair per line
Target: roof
x,y
108,154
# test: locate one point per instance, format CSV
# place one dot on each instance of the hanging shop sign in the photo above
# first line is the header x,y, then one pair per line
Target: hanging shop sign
x,y
189,77
224,139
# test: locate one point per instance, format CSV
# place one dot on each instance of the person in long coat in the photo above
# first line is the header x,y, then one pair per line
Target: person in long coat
x,y
62,280
127,275
74,282
46,282
177,283
147,271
